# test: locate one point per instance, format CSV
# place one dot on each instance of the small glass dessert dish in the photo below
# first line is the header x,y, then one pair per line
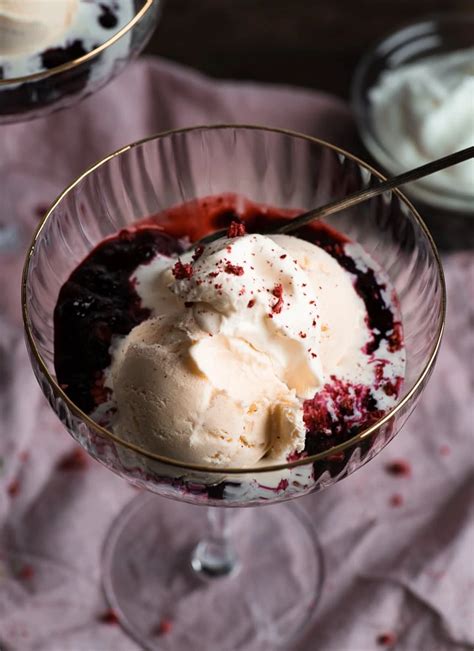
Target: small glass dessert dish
x,y
412,99
54,53
241,575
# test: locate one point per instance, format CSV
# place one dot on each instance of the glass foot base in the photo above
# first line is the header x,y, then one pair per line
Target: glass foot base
x,y
163,603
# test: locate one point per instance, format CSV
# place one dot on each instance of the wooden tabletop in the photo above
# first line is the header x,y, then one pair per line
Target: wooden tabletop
x,y
300,42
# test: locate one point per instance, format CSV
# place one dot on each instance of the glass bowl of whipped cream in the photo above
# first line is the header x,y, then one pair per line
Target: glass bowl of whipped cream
x,y
412,96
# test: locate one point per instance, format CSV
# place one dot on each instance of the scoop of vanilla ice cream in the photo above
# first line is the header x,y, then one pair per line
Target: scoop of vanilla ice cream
x,y
251,288
242,332
27,26
231,412
341,310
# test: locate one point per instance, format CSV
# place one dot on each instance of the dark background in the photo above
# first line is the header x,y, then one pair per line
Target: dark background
x,y
299,42
310,43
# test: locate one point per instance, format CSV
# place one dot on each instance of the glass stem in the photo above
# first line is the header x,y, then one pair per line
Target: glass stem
x,y
214,556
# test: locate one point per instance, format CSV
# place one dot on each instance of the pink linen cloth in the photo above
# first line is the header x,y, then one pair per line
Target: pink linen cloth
x,y
399,549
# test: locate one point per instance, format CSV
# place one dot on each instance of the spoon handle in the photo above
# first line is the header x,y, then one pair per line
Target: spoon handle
x,y
369,193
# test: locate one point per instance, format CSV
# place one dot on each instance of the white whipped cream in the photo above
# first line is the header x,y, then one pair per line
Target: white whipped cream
x,y
252,289
425,110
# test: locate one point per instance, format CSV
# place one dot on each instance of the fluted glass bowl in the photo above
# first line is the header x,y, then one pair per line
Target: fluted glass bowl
x,y
38,94
270,166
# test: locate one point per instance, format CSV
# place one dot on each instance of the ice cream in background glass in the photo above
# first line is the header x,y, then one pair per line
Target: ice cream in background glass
x,y
27,26
181,342
55,52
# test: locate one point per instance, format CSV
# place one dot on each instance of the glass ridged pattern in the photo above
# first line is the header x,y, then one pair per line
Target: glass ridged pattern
x,y
266,166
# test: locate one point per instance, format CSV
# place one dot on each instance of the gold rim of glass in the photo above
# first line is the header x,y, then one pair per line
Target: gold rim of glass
x,y
44,74
105,433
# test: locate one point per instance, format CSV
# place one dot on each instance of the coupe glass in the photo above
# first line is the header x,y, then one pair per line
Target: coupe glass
x,y
36,95
242,578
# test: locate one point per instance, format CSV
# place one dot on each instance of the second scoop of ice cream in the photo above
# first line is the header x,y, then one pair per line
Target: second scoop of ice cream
x,y
28,25
242,331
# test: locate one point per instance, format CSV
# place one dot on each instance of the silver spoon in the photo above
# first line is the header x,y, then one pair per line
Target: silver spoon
x,y
359,196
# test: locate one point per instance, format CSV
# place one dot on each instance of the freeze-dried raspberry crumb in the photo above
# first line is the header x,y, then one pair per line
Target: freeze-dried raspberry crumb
x,y
182,271
26,573
13,488
251,303
379,372
109,617
164,627
76,460
386,639
277,292
198,251
234,269
236,229
395,340
396,500
399,468
40,210
392,388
